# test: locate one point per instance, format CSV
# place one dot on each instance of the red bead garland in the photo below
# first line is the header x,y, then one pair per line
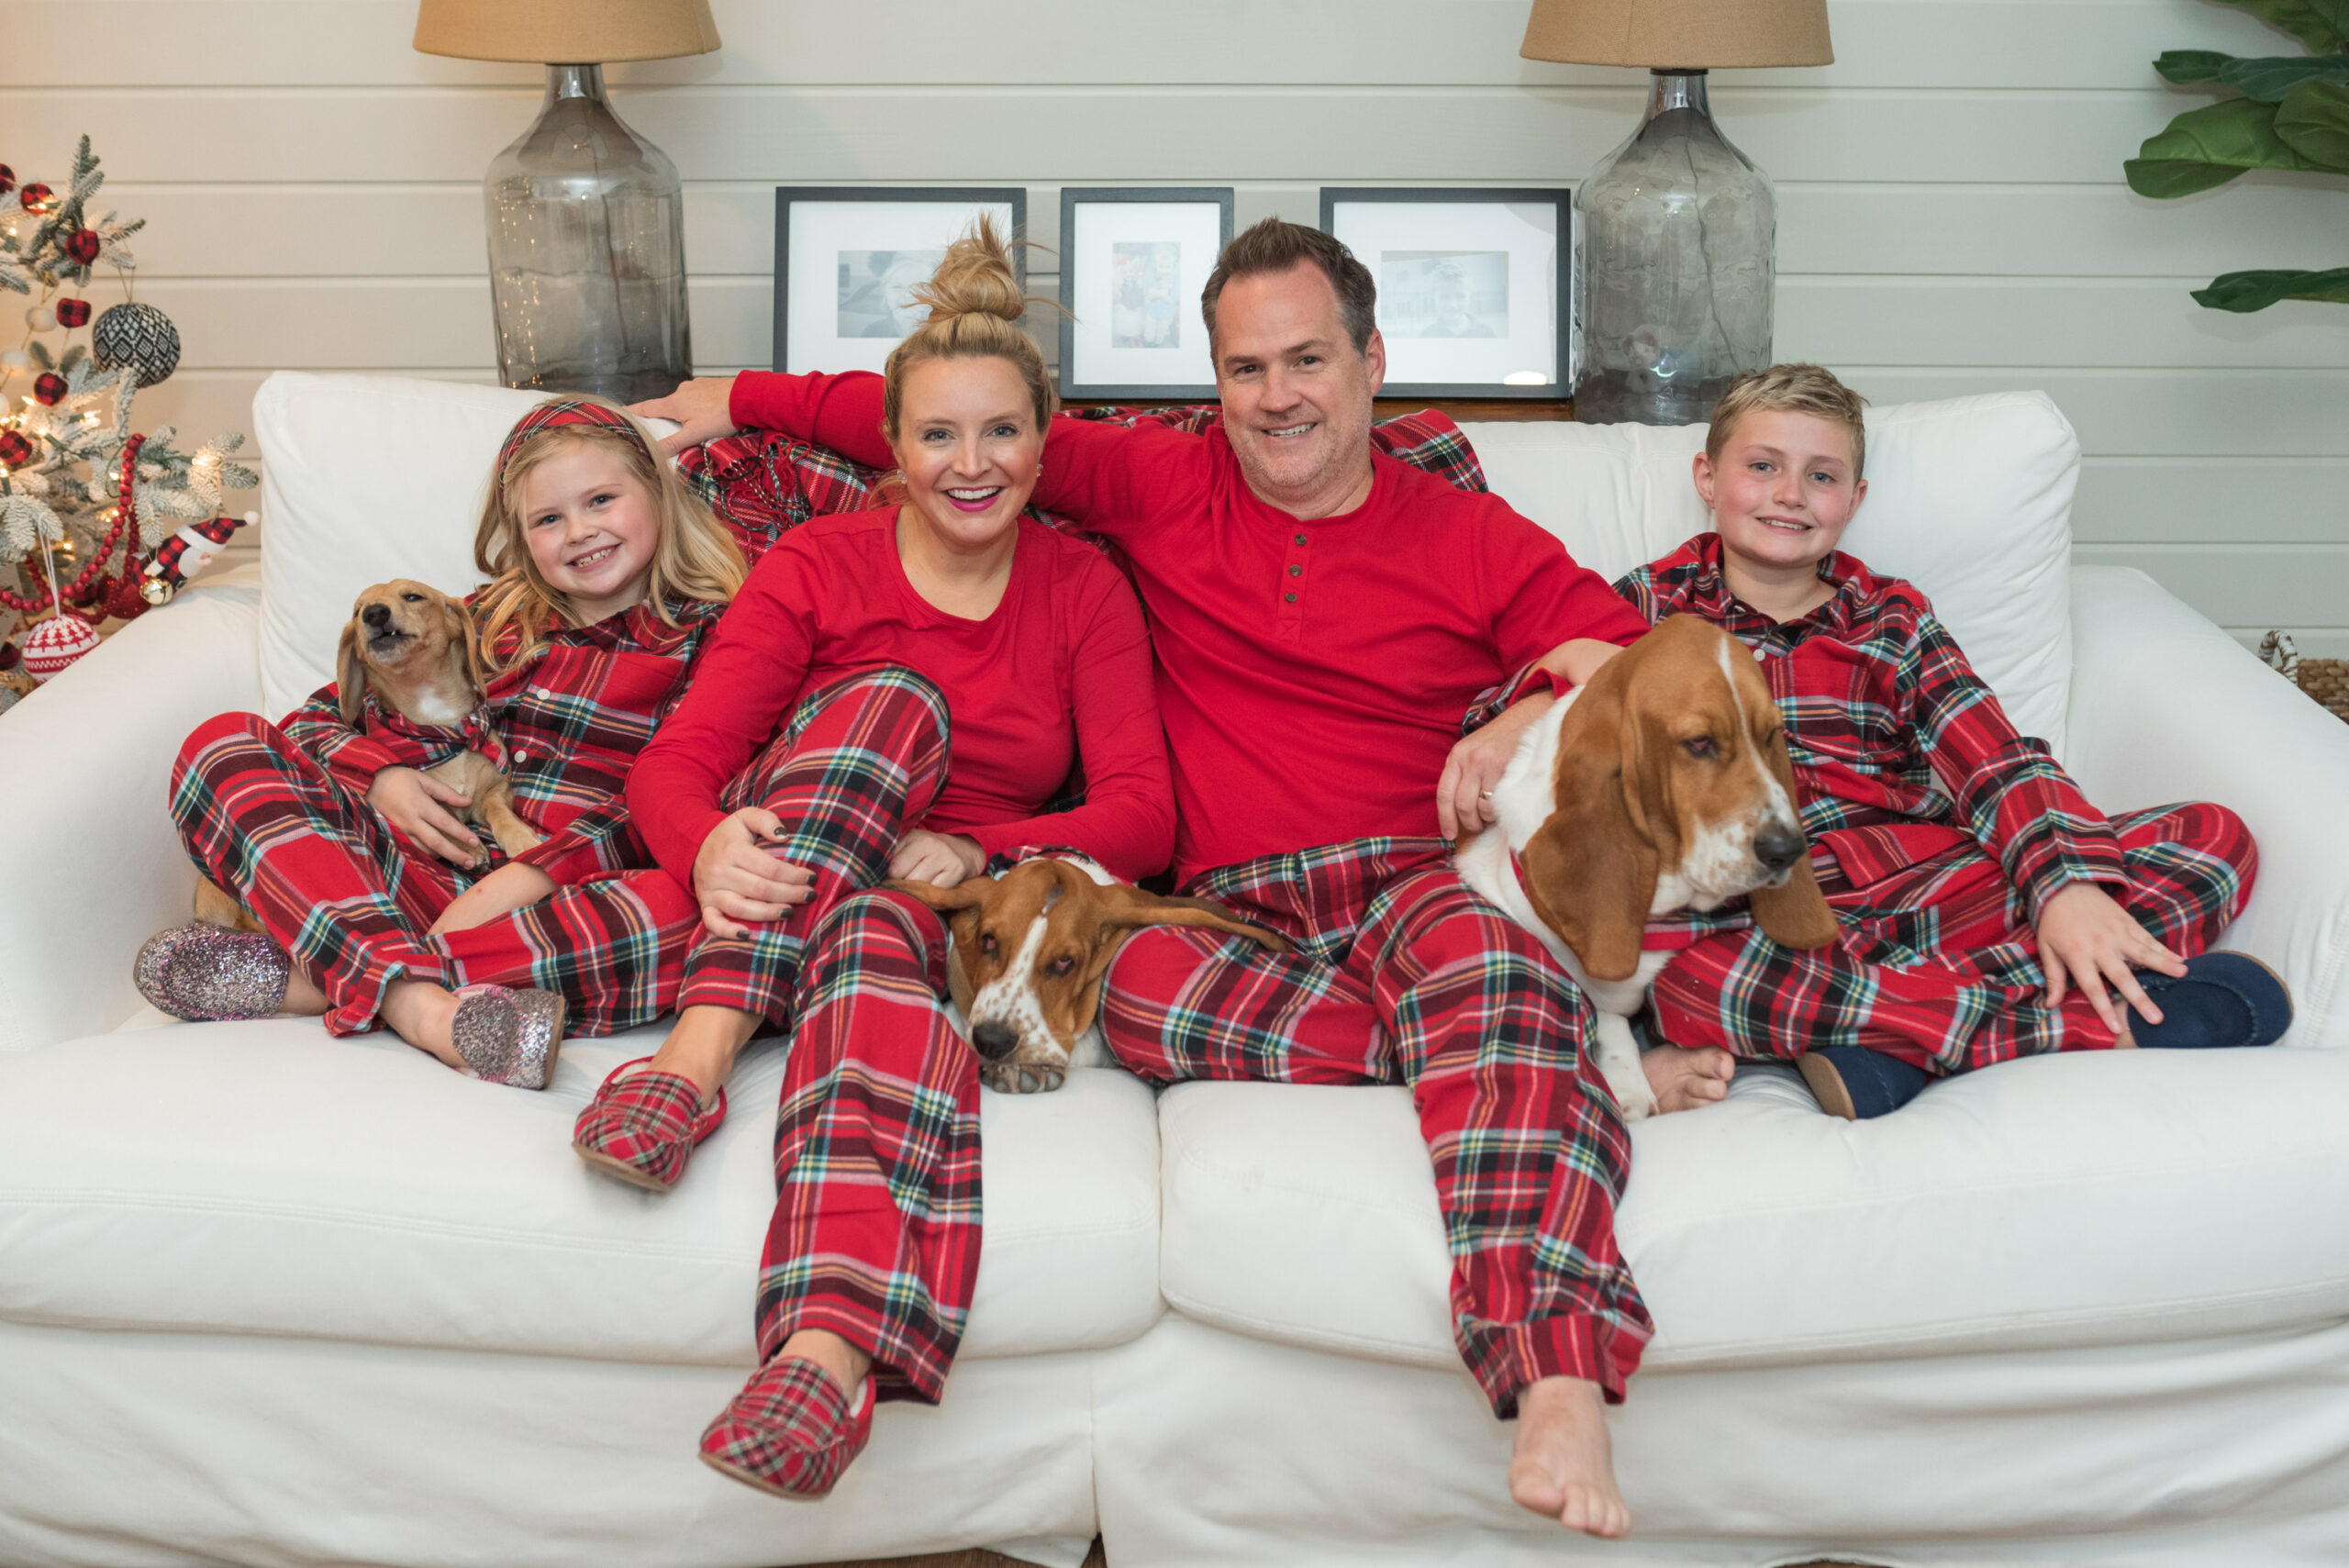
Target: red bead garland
x,y
79,592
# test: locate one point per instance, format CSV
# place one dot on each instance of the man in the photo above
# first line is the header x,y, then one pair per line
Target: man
x,y
1322,619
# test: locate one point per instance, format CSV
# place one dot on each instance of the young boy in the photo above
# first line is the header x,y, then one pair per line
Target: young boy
x,y
1984,904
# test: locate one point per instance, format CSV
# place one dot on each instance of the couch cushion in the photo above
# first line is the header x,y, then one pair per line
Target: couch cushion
x,y
2055,1202
1970,499
263,1178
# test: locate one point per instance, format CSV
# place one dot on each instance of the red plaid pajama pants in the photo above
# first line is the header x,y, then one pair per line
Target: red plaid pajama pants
x,y
352,901
859,762
1403,975
1938,964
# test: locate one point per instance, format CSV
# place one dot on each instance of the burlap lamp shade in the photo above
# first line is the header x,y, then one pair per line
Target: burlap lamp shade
x,y
538,31
1692,34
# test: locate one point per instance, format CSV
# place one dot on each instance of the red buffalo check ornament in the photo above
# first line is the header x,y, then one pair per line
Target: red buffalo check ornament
x,y
50,389
36,198
72,312
82,245
15,448
186,553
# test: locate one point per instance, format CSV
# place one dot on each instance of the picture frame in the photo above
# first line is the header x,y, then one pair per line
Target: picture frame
x,y
844,256
1475,287
1134,259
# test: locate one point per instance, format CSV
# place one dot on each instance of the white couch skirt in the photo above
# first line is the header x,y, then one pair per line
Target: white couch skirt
x,y
1950,1461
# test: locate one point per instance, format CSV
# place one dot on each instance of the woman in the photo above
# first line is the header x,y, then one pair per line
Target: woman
x,y
885,636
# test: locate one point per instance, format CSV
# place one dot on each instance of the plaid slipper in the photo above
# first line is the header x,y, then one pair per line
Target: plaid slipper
x,y
789,1432
643,1127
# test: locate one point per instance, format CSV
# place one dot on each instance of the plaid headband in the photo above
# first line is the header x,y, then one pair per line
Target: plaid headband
x,y
565,411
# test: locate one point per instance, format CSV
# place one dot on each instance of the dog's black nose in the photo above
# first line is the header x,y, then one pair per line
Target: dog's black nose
x,y
376,615
1777,848
994,1041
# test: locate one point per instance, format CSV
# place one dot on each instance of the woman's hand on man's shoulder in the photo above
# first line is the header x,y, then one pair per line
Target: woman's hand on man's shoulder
x,y
703,406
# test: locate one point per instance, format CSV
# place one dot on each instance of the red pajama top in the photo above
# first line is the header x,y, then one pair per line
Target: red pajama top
x,y
1061,665
1313,672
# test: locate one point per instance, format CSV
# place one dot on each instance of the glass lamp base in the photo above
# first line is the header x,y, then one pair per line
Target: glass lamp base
x,y
1678,232
588,252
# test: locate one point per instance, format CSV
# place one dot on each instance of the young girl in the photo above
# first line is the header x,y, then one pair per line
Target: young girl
x,y
377,902
810,762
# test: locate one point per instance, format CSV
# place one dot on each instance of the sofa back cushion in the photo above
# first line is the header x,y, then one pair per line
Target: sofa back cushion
x,y
1969,499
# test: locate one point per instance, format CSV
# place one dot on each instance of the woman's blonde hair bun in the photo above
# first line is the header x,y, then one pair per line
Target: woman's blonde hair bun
x,y
977,311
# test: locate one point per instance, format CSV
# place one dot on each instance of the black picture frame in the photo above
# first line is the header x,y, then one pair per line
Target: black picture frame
x,y
1073,196
959,196
1562,317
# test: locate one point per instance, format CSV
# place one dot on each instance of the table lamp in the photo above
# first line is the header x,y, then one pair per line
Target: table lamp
x,y
586,219
1678,229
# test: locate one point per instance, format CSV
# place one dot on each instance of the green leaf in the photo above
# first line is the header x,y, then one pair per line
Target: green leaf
x,y
2322,25
2207,146
2185,65
2313,120
2258,291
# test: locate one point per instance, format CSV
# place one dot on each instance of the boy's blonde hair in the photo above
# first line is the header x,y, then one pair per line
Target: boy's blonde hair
x,y
695,557
1791,389
975,312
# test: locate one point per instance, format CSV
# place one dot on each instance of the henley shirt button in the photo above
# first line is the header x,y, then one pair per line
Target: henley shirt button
x,y
1297,571
1300,539
1290,597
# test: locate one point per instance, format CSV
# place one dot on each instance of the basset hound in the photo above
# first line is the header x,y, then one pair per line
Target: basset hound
x,y
1661,784
1027,954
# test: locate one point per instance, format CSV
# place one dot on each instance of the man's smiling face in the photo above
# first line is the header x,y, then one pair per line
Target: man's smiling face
x,y
1296,395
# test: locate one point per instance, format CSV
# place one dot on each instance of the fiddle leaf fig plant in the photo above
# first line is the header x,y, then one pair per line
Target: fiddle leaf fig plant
x,y
2292,113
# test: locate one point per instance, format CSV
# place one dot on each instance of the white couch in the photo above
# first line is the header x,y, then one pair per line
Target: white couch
x,y
267,1297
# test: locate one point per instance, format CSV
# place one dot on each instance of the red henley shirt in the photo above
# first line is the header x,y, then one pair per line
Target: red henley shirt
x,y
1312,673
1062,664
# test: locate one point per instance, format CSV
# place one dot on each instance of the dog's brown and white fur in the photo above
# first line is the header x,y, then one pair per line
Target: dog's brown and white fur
x,y
1027,954
413,647
1661,784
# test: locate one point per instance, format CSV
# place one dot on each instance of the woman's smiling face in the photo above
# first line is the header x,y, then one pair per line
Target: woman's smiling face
x,y
968,446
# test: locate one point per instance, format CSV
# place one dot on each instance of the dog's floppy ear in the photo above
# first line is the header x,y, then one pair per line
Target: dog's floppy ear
x,y
1590,870
1797,914
967,894
1127,907
349,675
467,646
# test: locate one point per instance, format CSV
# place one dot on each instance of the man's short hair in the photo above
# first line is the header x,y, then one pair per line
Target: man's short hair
x,y
1790,389
1274,246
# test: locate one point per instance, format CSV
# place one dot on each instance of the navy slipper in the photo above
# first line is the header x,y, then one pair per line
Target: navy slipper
x,y
1856,1083
2224,1000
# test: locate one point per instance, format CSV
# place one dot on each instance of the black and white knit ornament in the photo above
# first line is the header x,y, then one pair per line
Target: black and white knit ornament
x,y
138,339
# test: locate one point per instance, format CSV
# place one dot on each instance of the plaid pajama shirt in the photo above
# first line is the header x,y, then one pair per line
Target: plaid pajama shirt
x,y
1939,833
279,816
1403,975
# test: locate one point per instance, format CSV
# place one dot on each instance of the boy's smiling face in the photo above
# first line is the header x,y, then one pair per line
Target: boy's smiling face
x,y
1782,489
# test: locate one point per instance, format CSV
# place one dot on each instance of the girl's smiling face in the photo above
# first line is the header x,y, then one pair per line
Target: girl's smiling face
x,y
1783,488
591,528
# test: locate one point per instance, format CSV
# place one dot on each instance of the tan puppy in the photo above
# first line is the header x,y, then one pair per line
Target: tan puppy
x,y
1663,784
412,646
1027,953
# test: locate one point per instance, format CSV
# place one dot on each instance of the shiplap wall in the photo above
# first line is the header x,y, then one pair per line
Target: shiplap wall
x,y
1952,215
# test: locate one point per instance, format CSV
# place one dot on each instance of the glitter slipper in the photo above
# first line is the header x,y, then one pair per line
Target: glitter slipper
x,y
507,1036
790,1432
207,974
642,1127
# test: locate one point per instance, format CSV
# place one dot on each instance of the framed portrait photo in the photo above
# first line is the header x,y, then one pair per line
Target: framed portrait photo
x,y
847,260
1476,287
1133,263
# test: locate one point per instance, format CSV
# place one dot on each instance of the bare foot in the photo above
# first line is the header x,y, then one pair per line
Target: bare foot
x,y
303,998
1564,1464
702,1045
1683,1079
845,1364
424,1015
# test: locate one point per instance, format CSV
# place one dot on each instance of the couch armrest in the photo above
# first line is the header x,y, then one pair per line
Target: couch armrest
x,y
2168,707
94,866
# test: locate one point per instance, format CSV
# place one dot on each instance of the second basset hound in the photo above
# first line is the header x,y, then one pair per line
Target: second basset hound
x,y
1661,784
1027,954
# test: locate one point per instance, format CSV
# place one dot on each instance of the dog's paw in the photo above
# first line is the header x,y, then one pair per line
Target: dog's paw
x,y
1021,1078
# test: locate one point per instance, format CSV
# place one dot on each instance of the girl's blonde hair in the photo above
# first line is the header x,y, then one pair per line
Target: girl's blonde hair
x,y
975,311
695,557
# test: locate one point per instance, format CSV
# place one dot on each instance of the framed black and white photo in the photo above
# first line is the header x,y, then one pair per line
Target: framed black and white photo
x,y
1476,287
847,260
1133,263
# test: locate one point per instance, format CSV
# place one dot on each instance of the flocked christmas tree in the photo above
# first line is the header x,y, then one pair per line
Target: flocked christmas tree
x,y
95,522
